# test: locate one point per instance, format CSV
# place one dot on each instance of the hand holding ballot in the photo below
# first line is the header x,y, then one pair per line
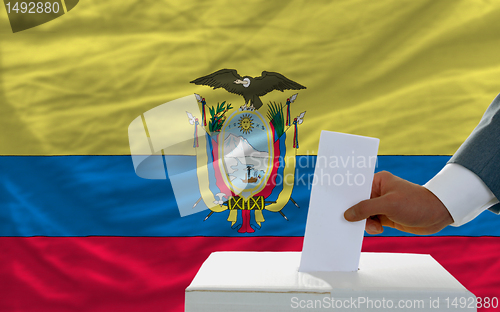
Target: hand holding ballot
x,y
400,204
465,187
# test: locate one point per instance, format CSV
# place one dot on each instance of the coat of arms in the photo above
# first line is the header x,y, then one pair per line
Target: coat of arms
x,y
231,160
250,157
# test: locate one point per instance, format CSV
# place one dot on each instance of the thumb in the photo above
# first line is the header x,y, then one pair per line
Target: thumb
x,y
366,209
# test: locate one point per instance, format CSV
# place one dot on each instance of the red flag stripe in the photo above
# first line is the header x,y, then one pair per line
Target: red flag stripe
x,y
150,273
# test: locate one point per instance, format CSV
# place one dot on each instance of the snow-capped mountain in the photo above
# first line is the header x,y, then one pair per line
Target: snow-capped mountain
x,y
237,146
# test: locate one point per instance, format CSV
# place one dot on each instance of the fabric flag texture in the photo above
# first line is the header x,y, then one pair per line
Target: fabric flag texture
x,y
80,230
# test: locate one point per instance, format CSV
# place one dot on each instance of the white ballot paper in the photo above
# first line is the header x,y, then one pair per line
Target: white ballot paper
x,y
342,177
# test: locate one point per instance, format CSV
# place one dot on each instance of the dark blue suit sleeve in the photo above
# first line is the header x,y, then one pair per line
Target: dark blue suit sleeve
x,y
480,153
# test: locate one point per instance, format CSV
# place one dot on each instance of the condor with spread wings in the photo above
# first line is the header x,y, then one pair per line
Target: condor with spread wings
x,y
250,88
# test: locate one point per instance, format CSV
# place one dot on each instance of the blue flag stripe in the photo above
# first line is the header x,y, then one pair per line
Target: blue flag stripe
x,y
102,196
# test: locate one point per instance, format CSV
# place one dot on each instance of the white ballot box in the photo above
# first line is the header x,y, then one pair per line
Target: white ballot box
x,y
271,281
331,272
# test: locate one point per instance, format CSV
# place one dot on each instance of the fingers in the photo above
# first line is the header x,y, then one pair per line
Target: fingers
x,y
386,221
376,189
373,226
366,209
379,180
377,209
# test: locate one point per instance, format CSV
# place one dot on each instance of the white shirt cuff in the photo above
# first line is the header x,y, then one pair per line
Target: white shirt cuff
x,y
462,192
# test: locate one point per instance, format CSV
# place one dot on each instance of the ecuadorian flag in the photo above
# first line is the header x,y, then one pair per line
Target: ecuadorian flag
x,y
82,229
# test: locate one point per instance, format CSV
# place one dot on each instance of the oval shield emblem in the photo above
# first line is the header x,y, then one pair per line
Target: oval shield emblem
x,y
246,152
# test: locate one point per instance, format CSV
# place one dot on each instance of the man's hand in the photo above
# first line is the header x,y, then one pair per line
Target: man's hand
x,y
400,204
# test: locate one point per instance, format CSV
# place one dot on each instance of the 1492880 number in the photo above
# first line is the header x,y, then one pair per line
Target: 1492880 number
x,y
33,7
471,302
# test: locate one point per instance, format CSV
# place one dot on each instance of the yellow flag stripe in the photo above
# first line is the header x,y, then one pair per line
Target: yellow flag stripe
x,y
416,74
